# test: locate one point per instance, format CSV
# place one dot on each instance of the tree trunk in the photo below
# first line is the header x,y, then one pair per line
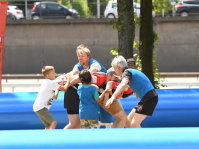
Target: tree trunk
x,y
146,39
126,28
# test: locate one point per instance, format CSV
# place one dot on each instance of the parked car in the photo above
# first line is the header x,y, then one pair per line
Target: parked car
x,y
17,13
47,10
111,9
187,7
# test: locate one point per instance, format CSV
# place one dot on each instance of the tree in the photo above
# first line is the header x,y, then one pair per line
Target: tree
x,y
126,28
146,39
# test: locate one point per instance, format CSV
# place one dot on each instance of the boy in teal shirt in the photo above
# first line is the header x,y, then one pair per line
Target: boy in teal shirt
x,y
88,107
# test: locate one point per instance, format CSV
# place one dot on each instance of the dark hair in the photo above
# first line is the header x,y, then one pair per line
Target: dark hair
x,y
85,76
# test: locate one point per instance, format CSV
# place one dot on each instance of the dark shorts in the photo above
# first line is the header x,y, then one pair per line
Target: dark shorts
x,y
71,100
147,105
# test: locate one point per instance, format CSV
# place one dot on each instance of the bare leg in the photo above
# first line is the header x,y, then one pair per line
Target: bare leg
x,y
131,115
74,122
137,120
128,124
52,126
104,97
115,123
121,119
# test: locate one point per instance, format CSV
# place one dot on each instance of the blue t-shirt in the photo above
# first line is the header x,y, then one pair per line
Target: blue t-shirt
x,y
91,61
105,117
139,82
88,107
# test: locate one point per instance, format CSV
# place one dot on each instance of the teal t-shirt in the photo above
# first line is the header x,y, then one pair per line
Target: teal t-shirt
x,y
88,107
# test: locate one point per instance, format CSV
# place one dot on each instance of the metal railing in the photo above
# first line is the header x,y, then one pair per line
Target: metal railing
x,y
93,9
33,76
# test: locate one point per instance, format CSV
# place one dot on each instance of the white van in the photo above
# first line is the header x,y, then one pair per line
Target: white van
x,y
111,9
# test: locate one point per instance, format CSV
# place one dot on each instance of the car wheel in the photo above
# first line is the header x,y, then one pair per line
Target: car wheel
x,y
35,17
68,17
111,16
184,14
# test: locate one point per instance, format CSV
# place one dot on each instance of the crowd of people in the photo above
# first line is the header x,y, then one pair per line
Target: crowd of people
x,y
92,93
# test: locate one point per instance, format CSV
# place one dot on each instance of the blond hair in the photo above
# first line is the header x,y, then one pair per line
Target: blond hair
x,y
46,69
82,49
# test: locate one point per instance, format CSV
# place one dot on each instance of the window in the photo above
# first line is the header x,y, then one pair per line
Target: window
x,y
191,2
43,6
54,7
114,5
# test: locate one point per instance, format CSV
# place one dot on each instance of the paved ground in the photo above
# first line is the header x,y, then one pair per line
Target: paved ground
x,y
32,85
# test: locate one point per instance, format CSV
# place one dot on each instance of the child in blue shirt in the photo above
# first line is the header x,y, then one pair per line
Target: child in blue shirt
x,y
88,94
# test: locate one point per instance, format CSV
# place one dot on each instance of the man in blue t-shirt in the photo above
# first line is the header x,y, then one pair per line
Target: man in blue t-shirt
x,y
71,99
141,85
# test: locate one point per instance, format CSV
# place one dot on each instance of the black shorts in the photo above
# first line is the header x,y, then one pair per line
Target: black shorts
x,y
147,105
71,100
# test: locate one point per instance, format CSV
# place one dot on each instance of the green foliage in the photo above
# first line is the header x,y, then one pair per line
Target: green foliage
x,y
114,52
116,24
159,5
157,75
138,63
80,5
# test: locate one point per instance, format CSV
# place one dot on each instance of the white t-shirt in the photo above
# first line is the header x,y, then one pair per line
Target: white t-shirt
x,y
45,95
94,65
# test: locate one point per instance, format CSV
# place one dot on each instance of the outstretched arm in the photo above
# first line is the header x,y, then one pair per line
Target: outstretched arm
x,y
56,94
104,92
121,87
65,87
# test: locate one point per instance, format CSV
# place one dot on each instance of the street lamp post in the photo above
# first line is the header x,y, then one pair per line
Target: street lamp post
x,y
26,8
173,3
98,9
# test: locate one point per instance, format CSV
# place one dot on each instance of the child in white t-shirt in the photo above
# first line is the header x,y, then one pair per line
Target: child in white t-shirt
x,y
46,95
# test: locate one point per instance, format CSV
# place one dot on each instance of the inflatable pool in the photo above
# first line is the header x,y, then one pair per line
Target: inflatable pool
x,y
176,108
